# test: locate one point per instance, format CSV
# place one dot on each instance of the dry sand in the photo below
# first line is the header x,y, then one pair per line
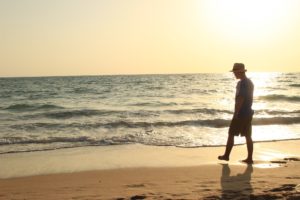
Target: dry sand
x,y
162,173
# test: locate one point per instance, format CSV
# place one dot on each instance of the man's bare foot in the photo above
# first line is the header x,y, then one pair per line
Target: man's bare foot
x,y
248,161
223,158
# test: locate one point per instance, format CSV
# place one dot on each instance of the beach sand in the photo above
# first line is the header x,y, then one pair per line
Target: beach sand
x,y
146,172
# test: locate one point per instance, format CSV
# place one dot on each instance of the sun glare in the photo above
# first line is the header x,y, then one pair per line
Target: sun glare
x,y
249,19
261,82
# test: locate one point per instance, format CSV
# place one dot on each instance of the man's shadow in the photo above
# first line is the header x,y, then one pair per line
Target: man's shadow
x,y
238,186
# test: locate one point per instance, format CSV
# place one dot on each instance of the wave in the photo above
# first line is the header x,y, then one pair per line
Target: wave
x,y
276,121
277,112
90,113
138,113
30,107
72,141
294,85
153,104
56,143
78,113
214,123
277,97
49,140
198,111
5,96
67,114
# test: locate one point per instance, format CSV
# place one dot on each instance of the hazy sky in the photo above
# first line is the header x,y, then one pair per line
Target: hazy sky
x,y
93,37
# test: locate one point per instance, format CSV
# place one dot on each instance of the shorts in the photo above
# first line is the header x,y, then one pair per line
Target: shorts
x,y
241,126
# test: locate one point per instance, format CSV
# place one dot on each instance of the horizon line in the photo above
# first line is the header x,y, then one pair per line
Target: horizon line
x,y
138,74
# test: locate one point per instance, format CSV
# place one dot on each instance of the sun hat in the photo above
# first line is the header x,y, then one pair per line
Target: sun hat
x,y
238,67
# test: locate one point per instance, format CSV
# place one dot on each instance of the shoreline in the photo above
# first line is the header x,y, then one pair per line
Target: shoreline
x,y
95,146
70,160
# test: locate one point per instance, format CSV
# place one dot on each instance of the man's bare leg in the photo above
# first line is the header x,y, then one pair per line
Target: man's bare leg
x,y
249,159
229,145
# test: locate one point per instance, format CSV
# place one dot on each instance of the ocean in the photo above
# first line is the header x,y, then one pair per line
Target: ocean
x,y
182,110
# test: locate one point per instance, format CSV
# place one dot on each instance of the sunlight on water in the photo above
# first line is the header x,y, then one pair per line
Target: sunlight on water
x,y
267,165
262,83
267,155
273,132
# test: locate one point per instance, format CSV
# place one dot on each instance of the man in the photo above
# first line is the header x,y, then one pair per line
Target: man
x,y
242,118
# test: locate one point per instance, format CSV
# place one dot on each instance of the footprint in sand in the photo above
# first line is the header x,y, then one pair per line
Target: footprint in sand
x,y
136,185
284,187
138,197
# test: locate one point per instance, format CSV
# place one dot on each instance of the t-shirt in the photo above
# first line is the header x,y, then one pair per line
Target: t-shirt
x,y
245,89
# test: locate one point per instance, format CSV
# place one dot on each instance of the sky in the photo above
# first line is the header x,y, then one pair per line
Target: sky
x,y
98,37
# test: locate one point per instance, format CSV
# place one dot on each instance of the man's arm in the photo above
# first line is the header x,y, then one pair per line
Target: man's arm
x,y
238,105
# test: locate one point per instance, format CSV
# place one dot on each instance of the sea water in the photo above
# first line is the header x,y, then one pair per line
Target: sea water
x,y
183,110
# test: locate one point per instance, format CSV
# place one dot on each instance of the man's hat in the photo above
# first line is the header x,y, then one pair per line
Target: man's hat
x,y
238,67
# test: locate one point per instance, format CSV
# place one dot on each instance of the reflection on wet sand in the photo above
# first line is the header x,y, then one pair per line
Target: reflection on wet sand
x,y
238,186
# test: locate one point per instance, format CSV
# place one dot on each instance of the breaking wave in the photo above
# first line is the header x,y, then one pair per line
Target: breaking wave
x,y
214,123
294,85
30,107
276,97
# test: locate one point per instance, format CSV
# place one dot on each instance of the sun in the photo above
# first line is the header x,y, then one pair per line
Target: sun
x,y
249,20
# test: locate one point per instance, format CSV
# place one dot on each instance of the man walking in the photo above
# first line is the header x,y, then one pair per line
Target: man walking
x,y
242,118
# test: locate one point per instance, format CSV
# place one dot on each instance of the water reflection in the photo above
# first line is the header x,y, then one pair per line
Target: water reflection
x,y
238,186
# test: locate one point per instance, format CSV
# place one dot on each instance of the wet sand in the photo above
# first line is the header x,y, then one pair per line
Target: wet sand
x,y
162,173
